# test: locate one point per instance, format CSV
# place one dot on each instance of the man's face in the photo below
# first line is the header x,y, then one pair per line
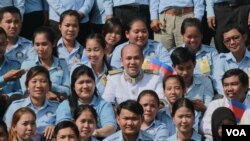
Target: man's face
x,y
132,60
129,122
11,23
185,70
234,41
234,89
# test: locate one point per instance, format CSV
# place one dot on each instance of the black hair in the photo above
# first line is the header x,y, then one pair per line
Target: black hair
x,y
150,93
100,39
50,35
9,9
110,24
136,19
243,77
191,22
81,108
69,13
183,102
4,126
63,125
81,70
176,77
35,71
181,55
132,106
2,32
238,27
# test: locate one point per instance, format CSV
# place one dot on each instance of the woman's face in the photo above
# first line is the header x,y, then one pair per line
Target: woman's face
x,y
38,86
138,34
192,38
94,51
43,46
150,107
184,120
84,87
66,134
25,127
173,90
112,38
69,28
86,124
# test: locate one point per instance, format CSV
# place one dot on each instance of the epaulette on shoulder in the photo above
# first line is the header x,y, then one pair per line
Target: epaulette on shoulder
x,y
112,72
151,71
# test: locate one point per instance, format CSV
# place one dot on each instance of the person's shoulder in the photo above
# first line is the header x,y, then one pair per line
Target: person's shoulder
x,y
145,136
114,137
115,72
53,102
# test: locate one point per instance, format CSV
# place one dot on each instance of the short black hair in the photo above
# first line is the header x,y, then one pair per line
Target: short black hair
x,y
9,9
243,77
181,55
238,27
63,125
132,106
176,77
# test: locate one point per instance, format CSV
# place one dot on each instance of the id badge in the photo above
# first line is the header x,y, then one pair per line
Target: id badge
x,y
204,65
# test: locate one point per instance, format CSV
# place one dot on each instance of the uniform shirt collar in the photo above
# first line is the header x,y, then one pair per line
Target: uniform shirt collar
x,y
60,43
95,101
230,56
27,102
133,80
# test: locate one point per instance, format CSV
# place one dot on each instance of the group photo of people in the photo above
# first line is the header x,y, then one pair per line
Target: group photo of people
x,y
123,70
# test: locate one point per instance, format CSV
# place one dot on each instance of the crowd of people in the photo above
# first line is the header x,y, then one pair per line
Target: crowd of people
x,y
82,70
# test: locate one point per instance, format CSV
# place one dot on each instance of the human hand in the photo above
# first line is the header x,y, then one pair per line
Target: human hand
x,y
155,25
198,105
48,132
211,22
13,75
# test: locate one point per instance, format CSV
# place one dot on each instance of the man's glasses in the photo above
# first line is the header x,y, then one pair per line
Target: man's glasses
x,y
234,38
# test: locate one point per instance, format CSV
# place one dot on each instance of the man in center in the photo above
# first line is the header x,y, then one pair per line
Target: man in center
x,y
128,83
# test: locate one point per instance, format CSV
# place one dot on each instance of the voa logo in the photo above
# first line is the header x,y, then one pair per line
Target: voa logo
x,y
236,132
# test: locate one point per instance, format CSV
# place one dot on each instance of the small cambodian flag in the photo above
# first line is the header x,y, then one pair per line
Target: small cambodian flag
x,y
155,64
238,109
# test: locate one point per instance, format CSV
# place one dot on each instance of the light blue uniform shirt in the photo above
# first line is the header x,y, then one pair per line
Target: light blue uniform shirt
x,y
59,75
143,136
21,51
17,3
10,87
165,117
103,109
36,5
158,6
227,61
153,49
100,80
210,6
195,137
201,88
158,130
98,15
45,115
57,7
109,4
72,58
